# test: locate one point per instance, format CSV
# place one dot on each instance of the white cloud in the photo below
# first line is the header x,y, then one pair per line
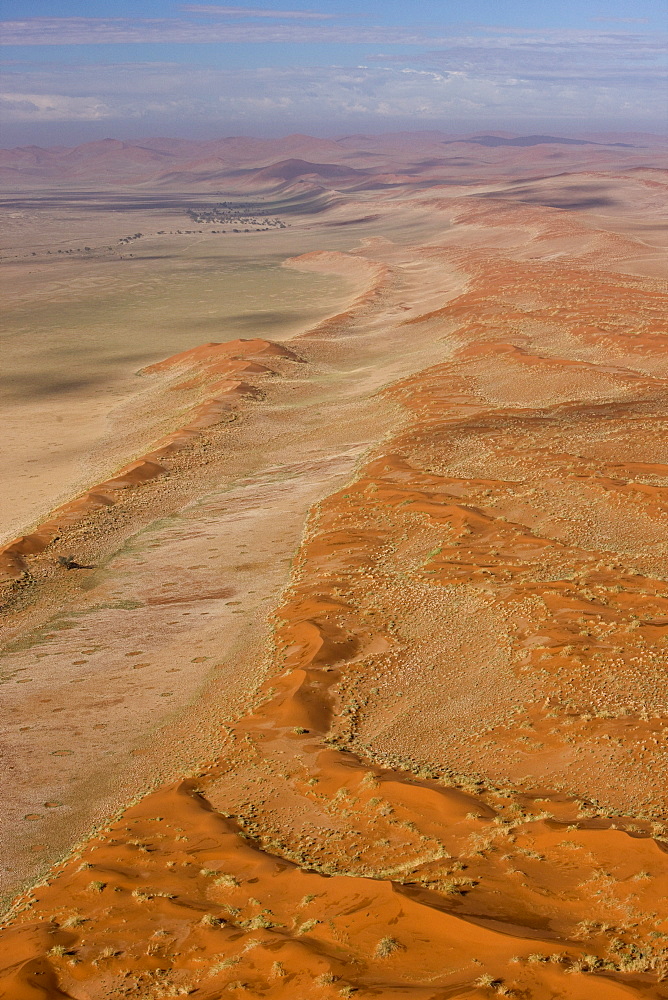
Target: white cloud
x,y
17,107
488,75
578,57
124,30
302,15
345,95
581,59
621,20
485,44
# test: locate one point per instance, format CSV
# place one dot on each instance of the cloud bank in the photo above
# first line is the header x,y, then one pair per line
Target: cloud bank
x,y
152,31
508,77
214,10
340,93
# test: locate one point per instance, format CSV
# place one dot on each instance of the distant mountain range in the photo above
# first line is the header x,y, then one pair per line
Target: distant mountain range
x,y
289,164
538,140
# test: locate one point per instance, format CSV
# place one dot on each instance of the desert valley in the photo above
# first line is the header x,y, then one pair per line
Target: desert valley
x,y
335,568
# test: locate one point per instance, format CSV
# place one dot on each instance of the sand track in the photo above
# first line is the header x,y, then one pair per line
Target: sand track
x,y
450,782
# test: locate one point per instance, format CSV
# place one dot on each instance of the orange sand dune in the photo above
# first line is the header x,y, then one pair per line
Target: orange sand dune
x,y
208,354
450,783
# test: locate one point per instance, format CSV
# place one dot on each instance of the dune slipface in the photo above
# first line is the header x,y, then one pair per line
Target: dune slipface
x,y
444,775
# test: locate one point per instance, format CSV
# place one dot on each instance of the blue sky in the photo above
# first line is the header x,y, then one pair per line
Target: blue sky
x,y
74,71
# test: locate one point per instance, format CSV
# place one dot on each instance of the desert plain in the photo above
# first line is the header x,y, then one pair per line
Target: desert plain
x,y
335,569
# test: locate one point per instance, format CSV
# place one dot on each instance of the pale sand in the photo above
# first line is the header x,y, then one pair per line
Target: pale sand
x,y
287,452
77,331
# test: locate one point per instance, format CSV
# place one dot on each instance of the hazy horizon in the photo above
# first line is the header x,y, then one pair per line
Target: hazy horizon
x,y
53,140
202,71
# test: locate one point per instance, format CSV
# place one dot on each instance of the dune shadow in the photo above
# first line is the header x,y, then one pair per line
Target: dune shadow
x,y
572,198
267,319
20,387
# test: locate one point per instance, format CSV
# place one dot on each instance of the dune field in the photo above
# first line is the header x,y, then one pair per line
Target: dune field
x,y
334,562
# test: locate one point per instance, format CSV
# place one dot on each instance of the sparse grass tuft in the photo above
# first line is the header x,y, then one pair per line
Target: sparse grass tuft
x,y
226,963
487,981
229,880
307,926
386,946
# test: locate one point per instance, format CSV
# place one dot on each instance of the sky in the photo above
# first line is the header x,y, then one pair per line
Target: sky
x,y
75,71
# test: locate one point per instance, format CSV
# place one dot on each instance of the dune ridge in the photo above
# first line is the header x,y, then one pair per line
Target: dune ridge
x,y
198,367
345,264
201,363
